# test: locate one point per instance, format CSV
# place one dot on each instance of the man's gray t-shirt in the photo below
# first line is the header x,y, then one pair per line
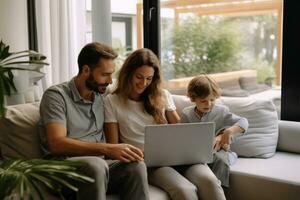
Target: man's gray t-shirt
x,y
63,104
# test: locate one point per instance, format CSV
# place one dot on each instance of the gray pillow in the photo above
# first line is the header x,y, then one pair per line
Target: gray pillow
x,y
229,84
231,88
19,132
250,84
234,93
261,138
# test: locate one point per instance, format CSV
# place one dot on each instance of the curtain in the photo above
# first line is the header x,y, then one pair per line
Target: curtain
x,y
61,34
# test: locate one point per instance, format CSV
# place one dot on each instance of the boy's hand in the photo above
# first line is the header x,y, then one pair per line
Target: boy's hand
x,y
222,141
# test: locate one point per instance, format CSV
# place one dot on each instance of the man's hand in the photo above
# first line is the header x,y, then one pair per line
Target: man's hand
x,y
124,152
222,141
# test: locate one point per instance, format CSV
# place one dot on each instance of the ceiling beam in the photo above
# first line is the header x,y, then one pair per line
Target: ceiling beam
x,y
250,7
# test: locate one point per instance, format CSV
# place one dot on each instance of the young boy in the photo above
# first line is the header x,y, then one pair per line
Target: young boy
x,y
204,91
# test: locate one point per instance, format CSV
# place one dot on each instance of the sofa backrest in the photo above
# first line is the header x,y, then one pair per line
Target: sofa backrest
x,y
19,128
289,136
19,132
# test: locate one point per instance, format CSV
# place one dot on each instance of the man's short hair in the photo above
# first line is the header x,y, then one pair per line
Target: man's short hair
x,y
202,86
91,53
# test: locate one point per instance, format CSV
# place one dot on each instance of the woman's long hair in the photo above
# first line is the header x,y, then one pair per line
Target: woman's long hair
x,y
152,97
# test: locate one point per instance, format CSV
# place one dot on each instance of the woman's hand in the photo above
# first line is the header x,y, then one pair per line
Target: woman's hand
x,y
124,152
222,141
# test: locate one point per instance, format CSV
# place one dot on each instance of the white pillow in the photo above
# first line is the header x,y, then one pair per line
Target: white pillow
x,y
181,102
261,138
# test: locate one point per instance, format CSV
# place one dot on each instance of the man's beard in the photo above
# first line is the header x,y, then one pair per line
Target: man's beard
x,y
94,86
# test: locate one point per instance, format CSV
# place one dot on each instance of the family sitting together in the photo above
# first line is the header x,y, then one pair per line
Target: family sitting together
x,y
79,122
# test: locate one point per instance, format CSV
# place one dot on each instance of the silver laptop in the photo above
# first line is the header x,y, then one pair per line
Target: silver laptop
x,y
179,144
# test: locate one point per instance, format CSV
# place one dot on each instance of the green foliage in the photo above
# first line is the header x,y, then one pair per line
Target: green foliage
x,y
204,45
122,55
23,60
212,44
20,179
264,70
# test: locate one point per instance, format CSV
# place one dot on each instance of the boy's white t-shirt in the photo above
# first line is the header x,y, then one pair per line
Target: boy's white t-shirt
x,y
131,117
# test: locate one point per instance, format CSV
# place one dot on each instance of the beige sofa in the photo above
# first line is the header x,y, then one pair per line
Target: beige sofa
x,y
273,178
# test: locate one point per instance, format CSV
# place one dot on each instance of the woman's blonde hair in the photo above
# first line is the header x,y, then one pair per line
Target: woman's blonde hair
x,y
152,97
202,86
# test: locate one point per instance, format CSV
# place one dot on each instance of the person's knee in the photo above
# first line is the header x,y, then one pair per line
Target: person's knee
x,y
186,191
97,168
137,170
210,180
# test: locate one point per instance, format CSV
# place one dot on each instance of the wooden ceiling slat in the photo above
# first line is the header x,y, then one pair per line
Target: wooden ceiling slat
x,y
253,7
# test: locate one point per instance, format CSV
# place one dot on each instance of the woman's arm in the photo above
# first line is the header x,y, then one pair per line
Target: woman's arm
x,y
111,130
172,117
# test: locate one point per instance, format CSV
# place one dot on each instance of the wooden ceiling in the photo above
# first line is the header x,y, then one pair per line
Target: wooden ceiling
x,y
223,7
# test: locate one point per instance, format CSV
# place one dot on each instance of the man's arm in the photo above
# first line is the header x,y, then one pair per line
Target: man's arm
x,y
111,130
60,144
132,153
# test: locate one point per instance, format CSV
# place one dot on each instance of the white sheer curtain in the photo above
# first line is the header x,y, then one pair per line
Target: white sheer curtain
x,y
61,34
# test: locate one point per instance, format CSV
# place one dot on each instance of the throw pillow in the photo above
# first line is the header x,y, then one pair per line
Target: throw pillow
x,y
234,93
19,132
250,84
231,88
261,138
181,102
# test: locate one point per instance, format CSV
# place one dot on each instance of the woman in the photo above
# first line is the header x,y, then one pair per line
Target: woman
x,y
139,100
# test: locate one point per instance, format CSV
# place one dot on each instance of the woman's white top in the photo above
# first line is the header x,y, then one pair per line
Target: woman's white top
x,y
131,117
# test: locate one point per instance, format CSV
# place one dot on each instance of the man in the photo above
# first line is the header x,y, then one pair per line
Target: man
x,y
72,116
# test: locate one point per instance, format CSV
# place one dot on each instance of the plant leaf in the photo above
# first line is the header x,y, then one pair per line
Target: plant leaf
x,y
2,108
4,51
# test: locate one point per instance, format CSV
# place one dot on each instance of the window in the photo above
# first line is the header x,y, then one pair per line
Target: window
x,y
221,36
237,42
126,27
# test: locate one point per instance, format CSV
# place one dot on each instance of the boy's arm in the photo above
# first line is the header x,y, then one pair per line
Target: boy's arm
x,y
224,138
236,125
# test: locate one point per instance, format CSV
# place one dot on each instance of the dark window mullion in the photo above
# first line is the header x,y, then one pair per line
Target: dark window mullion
x,y
32,32
290,101
151,10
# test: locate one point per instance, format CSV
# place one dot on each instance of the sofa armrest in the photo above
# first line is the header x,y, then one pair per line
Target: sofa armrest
x,y
289,136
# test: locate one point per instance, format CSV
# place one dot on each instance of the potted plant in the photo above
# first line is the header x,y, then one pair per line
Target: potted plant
x,y
22,60
22,179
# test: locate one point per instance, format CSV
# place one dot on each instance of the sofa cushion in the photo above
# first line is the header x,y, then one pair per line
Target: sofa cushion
x,y
261,138
289,136
231,88
234,93
254,178
19,132
249,83
155,193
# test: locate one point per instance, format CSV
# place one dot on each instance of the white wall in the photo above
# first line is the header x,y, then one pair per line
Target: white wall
x,y
13,24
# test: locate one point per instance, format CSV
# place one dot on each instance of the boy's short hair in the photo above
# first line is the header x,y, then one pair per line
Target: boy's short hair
x,y
202,86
